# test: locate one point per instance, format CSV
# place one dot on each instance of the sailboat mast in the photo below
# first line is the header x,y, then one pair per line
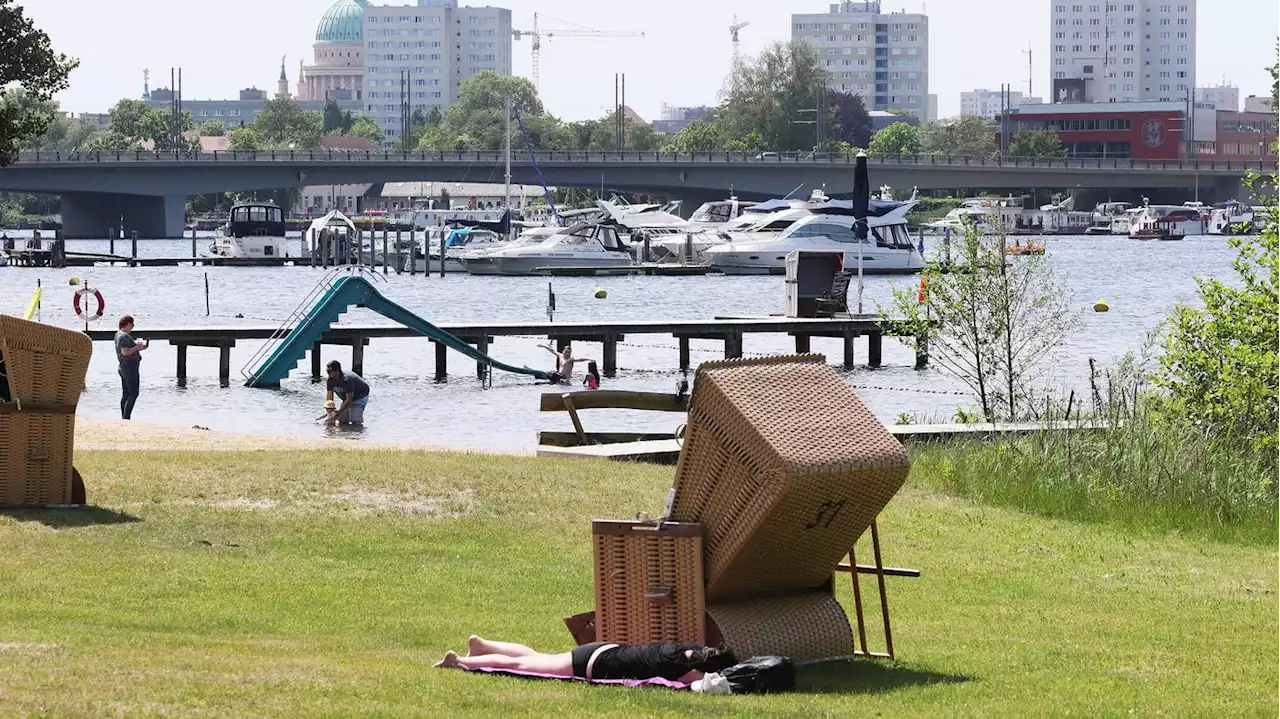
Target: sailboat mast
x,y
508,161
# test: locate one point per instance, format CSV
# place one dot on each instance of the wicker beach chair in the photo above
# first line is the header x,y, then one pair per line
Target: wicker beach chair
x,y
782,470
44,371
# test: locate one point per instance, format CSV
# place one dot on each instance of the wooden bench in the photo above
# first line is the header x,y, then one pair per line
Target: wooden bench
x,y
652,447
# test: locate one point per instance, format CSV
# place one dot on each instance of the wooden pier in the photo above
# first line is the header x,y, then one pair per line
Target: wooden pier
x,y
729,331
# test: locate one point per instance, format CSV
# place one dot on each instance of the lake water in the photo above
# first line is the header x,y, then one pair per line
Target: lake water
x,y
1142,281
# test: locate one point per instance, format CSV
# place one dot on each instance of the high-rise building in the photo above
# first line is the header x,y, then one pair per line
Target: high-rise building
x,y
1122,50
884,57
986,103
1222,97
438,44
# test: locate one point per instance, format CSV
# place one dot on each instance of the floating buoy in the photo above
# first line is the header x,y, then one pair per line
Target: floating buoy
x,y
1101,306
73,281
601,293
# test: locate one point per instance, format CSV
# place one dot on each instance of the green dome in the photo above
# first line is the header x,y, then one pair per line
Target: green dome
x,y
342,22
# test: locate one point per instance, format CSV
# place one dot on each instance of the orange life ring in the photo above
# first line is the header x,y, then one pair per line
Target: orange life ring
x,y
82,309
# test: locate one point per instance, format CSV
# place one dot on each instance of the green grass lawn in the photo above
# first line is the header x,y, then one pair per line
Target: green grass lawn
x,y
325,583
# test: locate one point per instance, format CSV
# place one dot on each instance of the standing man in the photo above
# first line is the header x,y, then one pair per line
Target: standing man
x,y
129,355
351,389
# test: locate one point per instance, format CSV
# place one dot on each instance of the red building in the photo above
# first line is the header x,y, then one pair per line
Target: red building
x,y
1147,130
1151,130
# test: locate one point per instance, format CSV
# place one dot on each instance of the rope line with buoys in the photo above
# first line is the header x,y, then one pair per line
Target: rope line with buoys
x,y
81,305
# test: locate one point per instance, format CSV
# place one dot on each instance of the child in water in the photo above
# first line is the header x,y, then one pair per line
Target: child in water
x,y
592,380
330,415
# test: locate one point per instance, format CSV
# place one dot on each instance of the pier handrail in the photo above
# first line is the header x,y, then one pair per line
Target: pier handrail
x,y
299,313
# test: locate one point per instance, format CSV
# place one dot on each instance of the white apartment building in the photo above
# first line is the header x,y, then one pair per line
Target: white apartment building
x,y
884,57
1122,50
439,44
986,103
1222,97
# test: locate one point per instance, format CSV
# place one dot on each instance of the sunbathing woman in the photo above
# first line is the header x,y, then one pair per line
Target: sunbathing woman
x,y
596,660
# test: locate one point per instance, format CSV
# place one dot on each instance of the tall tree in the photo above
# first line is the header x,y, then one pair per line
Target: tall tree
x,y
964,135
774,93
27,60
1037,143
850,120
698,136
365,127
900,138
478,120
213,128
284,124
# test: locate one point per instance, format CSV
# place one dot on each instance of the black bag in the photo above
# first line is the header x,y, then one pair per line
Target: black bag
x,y
762,675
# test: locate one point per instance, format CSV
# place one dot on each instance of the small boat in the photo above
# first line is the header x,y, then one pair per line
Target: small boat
x,y
1166,222
252,231
1018,248
584,245
1234,217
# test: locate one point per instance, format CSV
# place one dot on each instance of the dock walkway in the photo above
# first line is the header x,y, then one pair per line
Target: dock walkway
x,y
608,333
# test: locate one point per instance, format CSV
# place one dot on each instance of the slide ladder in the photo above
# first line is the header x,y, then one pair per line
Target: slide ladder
x,y
331,300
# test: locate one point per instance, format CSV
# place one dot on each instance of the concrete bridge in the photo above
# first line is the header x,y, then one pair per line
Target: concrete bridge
x,y
146,192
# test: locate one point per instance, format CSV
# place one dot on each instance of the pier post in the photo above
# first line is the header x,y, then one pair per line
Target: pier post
x,y
384,251
111,240
442,361
399,253
133,240
413,252
357,355
874,347
561,342
684,353
802,344
182,365
193,243
482,344
224,362
610,355
444,236
315,362
848,337
732,345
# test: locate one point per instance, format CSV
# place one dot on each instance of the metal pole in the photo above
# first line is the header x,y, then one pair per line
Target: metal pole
x,y
444,236
206,294
507,176
384,250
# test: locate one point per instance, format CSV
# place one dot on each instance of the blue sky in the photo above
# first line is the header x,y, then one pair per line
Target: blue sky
x,y
227,45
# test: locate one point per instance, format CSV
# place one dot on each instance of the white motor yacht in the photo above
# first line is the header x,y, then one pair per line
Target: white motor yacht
x,y
1166,222
252,231
459,244
476,261
582,245
1234,217
888,248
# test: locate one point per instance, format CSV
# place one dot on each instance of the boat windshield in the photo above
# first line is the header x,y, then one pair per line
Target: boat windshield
x,y
717,212
256,213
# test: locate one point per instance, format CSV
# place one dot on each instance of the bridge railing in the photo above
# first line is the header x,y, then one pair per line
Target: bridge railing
x,y
639,158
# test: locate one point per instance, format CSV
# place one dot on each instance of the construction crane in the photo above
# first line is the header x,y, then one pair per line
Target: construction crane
x,y
733,33
580,31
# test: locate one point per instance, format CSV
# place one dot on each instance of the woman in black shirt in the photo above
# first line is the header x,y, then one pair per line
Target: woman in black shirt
x,y
596,660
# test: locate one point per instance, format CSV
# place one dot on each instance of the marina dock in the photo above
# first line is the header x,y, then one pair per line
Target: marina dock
x,y
729,331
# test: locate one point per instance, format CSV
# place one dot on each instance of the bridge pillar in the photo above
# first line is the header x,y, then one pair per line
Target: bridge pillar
x,y
87,215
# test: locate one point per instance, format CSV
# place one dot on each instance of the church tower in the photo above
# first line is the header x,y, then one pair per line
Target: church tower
x,y
283,86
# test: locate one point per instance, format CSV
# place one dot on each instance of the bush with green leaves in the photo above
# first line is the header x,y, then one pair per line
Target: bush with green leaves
x,y
1219,367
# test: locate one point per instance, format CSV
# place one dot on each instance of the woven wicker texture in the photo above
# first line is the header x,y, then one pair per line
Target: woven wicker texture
x,y
810,625
642,561
44,365
784,468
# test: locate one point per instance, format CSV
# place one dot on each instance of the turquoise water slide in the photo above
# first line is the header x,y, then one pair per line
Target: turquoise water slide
x,y
345,293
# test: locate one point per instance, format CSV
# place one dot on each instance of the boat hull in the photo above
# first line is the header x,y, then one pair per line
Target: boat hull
x,y
255,248
524,265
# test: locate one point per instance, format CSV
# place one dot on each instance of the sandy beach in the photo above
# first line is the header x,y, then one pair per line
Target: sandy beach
x,y
95,433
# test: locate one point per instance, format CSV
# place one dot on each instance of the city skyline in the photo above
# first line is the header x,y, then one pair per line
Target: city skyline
x,y
244,47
